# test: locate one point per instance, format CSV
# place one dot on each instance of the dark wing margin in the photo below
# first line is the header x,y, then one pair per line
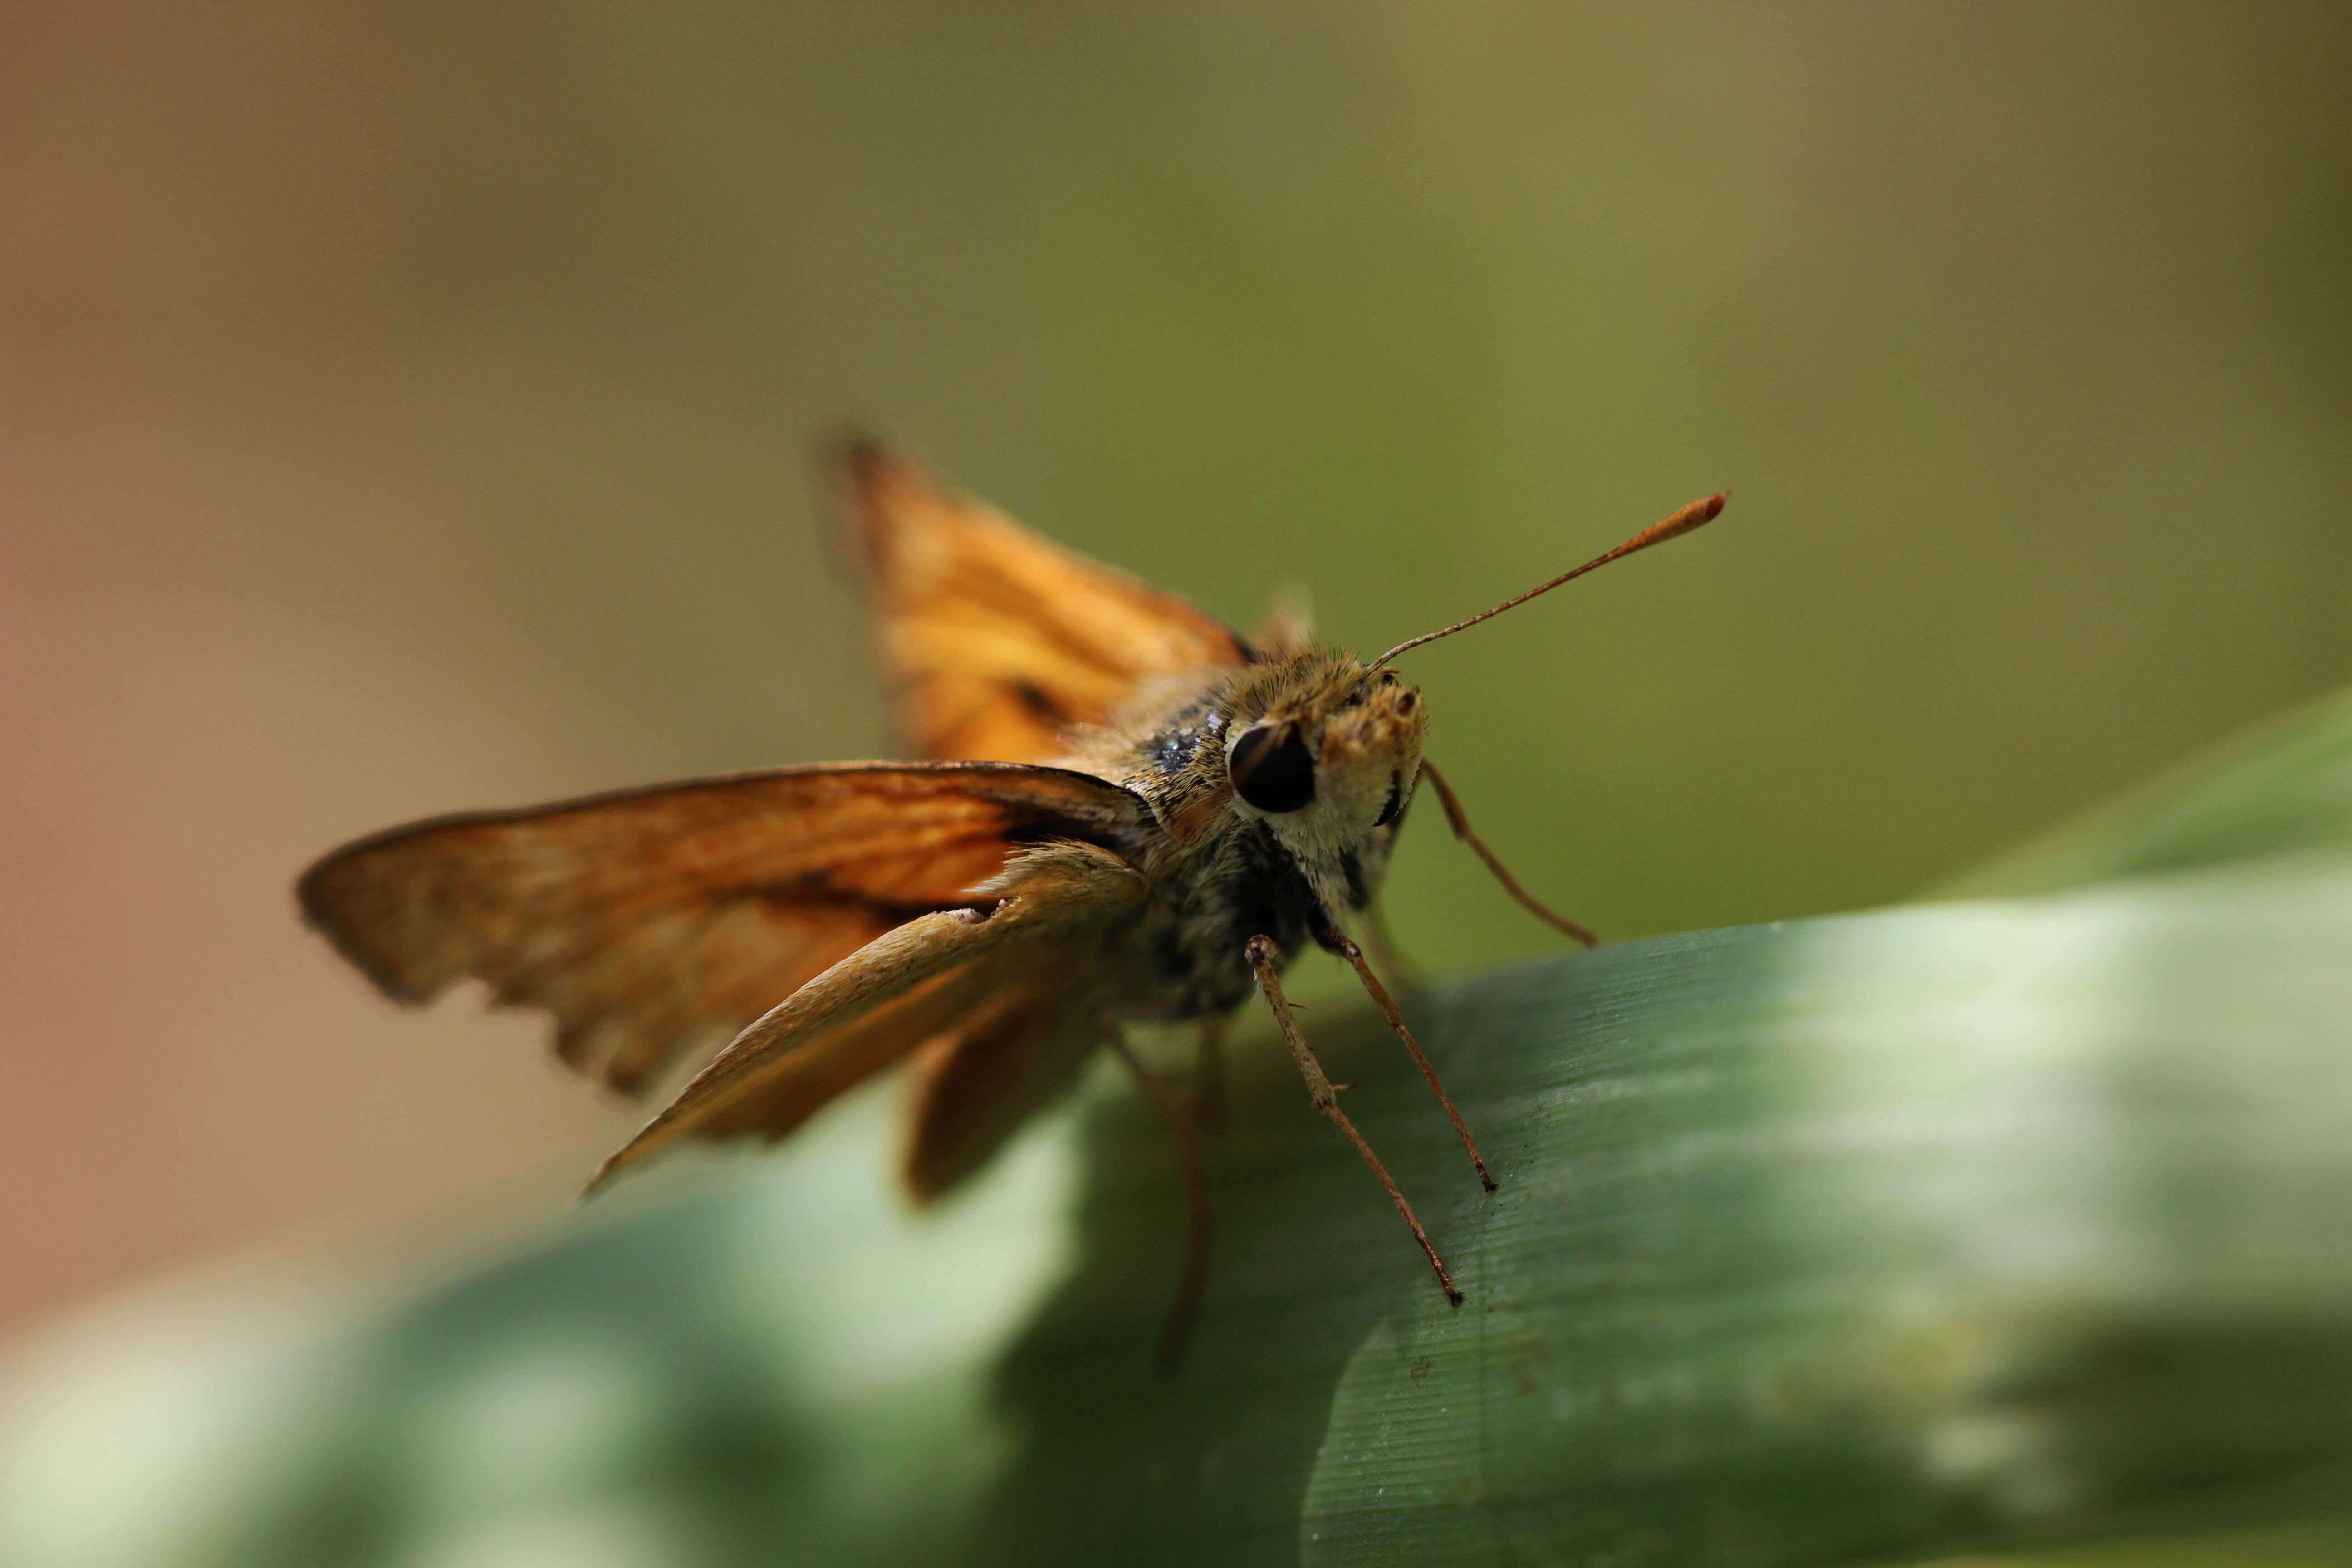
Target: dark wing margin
x,y
997,640
650,920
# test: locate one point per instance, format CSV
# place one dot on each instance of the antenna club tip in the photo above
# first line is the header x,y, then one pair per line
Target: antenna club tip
x,y
1672,527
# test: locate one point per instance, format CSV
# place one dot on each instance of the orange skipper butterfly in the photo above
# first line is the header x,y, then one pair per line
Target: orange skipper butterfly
x,y
1124,810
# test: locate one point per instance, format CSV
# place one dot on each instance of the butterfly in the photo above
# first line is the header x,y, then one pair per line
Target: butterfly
x,y
1122,810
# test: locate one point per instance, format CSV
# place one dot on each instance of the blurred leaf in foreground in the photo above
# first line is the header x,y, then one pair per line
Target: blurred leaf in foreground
x,y
1935,1229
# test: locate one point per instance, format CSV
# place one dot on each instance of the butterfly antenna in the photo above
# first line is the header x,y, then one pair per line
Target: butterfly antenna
x,y
1691,516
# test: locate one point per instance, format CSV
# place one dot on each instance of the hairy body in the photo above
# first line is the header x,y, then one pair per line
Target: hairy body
x,y
1219,870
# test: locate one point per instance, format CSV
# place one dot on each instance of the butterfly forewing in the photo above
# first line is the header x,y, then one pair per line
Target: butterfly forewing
x,y
997,640
649,919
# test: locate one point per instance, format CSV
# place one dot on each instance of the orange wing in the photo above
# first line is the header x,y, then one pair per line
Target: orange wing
x,y
945,976
972,1086
998,640
649,919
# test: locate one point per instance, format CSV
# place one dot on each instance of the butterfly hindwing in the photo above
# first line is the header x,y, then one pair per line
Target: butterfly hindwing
x,y
1058,906
972,1086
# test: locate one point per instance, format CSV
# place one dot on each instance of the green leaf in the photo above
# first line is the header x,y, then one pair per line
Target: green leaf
x,y
1939,1228
1845,1239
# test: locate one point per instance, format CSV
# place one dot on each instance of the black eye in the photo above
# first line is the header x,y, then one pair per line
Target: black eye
x,y
1271,768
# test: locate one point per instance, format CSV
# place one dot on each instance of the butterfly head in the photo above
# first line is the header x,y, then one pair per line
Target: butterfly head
x,y
1327,751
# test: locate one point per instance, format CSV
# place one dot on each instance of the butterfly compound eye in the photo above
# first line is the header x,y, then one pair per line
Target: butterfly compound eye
x,y
1271,768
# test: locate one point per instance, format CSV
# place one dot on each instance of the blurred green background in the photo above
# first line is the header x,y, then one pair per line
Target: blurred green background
x,y
408,407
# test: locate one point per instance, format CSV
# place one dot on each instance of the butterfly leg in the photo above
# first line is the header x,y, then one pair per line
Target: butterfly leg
x,y
1457,820
1200,1206
1327,1100
1209,1075
1355,955
1383,943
